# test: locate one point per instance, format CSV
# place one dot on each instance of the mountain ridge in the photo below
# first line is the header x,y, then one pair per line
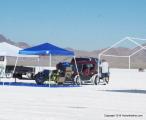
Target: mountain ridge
x,y
18,44
138,60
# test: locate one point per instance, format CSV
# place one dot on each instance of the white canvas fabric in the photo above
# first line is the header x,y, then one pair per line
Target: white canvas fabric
x,y
8,49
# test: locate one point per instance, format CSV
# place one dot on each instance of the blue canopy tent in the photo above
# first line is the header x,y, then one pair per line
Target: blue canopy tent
x,y
46,49
49,50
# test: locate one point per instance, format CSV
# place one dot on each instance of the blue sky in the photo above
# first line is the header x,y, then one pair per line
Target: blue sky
x,y
79,24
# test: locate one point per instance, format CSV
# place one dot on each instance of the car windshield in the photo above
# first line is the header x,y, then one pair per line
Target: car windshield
x,y
81,67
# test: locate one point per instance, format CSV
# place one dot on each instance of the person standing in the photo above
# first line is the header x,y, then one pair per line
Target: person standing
x,y
105,71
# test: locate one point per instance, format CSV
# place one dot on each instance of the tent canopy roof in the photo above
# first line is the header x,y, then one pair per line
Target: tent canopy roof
x,y
46,49
7,49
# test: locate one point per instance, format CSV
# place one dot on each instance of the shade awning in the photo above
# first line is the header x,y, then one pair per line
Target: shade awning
x,y
46,49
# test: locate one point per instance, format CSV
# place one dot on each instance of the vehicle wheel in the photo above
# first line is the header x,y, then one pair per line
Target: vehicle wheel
x,y
9,75
77,80
96,80
39,79
60,83
29,75
19,76
106,80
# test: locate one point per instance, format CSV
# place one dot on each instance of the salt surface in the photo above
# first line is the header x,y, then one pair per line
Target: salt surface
x,y
123,99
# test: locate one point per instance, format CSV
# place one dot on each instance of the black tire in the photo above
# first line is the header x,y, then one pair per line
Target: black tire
x,y
29,75
19,76
96,80
39,79
106,80
60,83
9,75
77,80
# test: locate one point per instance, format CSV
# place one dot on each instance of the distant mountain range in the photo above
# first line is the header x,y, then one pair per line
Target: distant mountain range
x,y
19,44
137,61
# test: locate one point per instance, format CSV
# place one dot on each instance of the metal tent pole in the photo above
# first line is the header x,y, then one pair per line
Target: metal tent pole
x,y
3,69
50,72
129,63
77,68
99,58
39,64
15,66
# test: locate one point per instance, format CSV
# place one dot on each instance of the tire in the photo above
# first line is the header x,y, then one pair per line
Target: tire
x,y
77,80
39,79
29,75
96,80
60,83
9,75
106,80
19,76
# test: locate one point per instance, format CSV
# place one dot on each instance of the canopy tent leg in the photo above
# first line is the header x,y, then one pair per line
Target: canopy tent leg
x,y
5,64
99,58
50,72
15,66
129,63
77,68
39,69
3,69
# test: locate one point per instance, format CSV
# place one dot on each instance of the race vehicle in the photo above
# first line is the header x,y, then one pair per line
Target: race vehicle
x,y
78,71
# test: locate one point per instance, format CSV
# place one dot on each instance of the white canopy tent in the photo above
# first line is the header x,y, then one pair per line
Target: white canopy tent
x,y
11,52
8,49
132,40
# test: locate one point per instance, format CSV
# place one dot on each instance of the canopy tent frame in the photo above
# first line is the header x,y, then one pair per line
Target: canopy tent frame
x,y
49,53
131,39
9,50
